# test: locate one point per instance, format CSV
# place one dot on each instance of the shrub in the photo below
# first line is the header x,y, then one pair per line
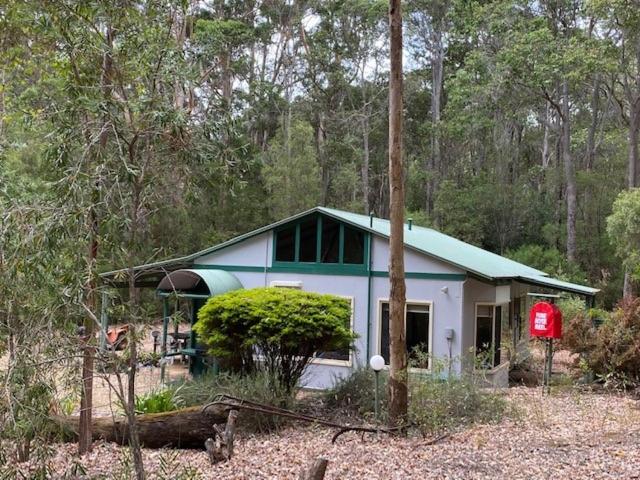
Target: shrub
x,y
611,350
284,326
355,393
256,386
436,403
158,401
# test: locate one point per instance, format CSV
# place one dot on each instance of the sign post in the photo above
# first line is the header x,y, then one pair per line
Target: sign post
x,y
545,321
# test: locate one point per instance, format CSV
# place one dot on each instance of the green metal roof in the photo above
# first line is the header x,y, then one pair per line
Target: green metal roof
x,y
428,241
217,281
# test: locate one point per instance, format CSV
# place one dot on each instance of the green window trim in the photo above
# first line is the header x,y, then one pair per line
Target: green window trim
x,y
332,266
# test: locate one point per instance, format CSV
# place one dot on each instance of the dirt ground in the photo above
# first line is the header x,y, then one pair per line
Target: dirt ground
x,y
569,434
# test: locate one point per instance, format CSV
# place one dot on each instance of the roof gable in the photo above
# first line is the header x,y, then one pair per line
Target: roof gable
x,y
427,241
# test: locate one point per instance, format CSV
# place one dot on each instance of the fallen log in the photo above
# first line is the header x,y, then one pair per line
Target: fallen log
x,y
185,428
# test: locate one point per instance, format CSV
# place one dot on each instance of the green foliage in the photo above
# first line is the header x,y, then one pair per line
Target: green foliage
x,y
437,403
610,350
284,326
355,393
256,386
549,260
291,172
159,401
623,227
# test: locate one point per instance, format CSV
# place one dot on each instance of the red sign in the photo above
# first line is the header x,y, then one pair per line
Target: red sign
x,y
545,320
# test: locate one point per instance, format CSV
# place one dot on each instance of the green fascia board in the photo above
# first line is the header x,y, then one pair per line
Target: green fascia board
x,y
329,269
468,258
558,285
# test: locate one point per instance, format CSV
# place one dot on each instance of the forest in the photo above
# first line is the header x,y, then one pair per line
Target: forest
x,y
133,131
159,128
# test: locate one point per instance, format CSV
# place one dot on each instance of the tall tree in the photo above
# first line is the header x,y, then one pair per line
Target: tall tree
x,y
398,396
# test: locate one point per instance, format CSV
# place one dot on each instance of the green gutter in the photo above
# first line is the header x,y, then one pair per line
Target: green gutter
x,y
369,277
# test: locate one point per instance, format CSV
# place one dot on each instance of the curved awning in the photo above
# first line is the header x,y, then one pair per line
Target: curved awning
x,y
199,282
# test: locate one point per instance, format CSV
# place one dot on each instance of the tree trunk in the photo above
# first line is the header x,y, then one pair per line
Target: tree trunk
x,y
591,134
186,428
321,136
569,173
365,162
437,75
398,346
316,471
88,349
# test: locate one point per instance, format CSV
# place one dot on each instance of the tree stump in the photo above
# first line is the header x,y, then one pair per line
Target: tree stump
x,y
220,448
316,471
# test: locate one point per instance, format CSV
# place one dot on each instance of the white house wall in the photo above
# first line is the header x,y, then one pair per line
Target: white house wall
x,y
446,295
252,252
413,261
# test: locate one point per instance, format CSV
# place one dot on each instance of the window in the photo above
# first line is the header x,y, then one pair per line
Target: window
x,y
308,240
418,328
286,244
488,334
330,250
342,356
353,245
320,239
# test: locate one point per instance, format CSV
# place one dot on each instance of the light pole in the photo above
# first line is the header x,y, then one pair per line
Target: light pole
x,y
377,363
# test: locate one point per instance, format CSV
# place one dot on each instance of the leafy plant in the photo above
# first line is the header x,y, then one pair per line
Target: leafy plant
x,y
256,386
275,330
355,393
158,401
611,351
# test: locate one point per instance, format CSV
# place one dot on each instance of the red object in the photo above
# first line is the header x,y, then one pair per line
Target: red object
x,y
545,320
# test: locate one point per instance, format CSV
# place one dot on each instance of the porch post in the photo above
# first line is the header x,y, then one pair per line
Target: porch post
x,y
165,328
104,321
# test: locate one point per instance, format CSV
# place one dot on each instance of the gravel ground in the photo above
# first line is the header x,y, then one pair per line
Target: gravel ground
x,y
570,434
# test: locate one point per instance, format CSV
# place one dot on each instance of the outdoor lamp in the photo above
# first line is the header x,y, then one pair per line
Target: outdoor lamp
x,y
155,334
377,363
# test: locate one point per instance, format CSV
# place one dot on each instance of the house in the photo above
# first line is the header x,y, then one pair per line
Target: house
x,y
461,300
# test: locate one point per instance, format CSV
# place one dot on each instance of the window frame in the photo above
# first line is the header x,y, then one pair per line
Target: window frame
x,y
428,303
340,265
493,306
331,361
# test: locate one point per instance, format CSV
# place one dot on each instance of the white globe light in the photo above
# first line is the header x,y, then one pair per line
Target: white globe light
x,y
376,363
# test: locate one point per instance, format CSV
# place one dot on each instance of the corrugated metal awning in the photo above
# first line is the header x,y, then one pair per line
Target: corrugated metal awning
x,y
199,281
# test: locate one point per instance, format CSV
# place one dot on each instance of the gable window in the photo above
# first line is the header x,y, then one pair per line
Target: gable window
x,y
353,245
320,240
330,251
308,240
418,327
286,244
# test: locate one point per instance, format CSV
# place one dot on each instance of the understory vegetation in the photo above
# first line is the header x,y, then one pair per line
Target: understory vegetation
x,y
608,344
437,403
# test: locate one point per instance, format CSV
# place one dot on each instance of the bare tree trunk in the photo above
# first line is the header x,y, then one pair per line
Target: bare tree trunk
x,y
570,174
591,134
437,75
322,157
398,347
545,139
88,350
365,162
